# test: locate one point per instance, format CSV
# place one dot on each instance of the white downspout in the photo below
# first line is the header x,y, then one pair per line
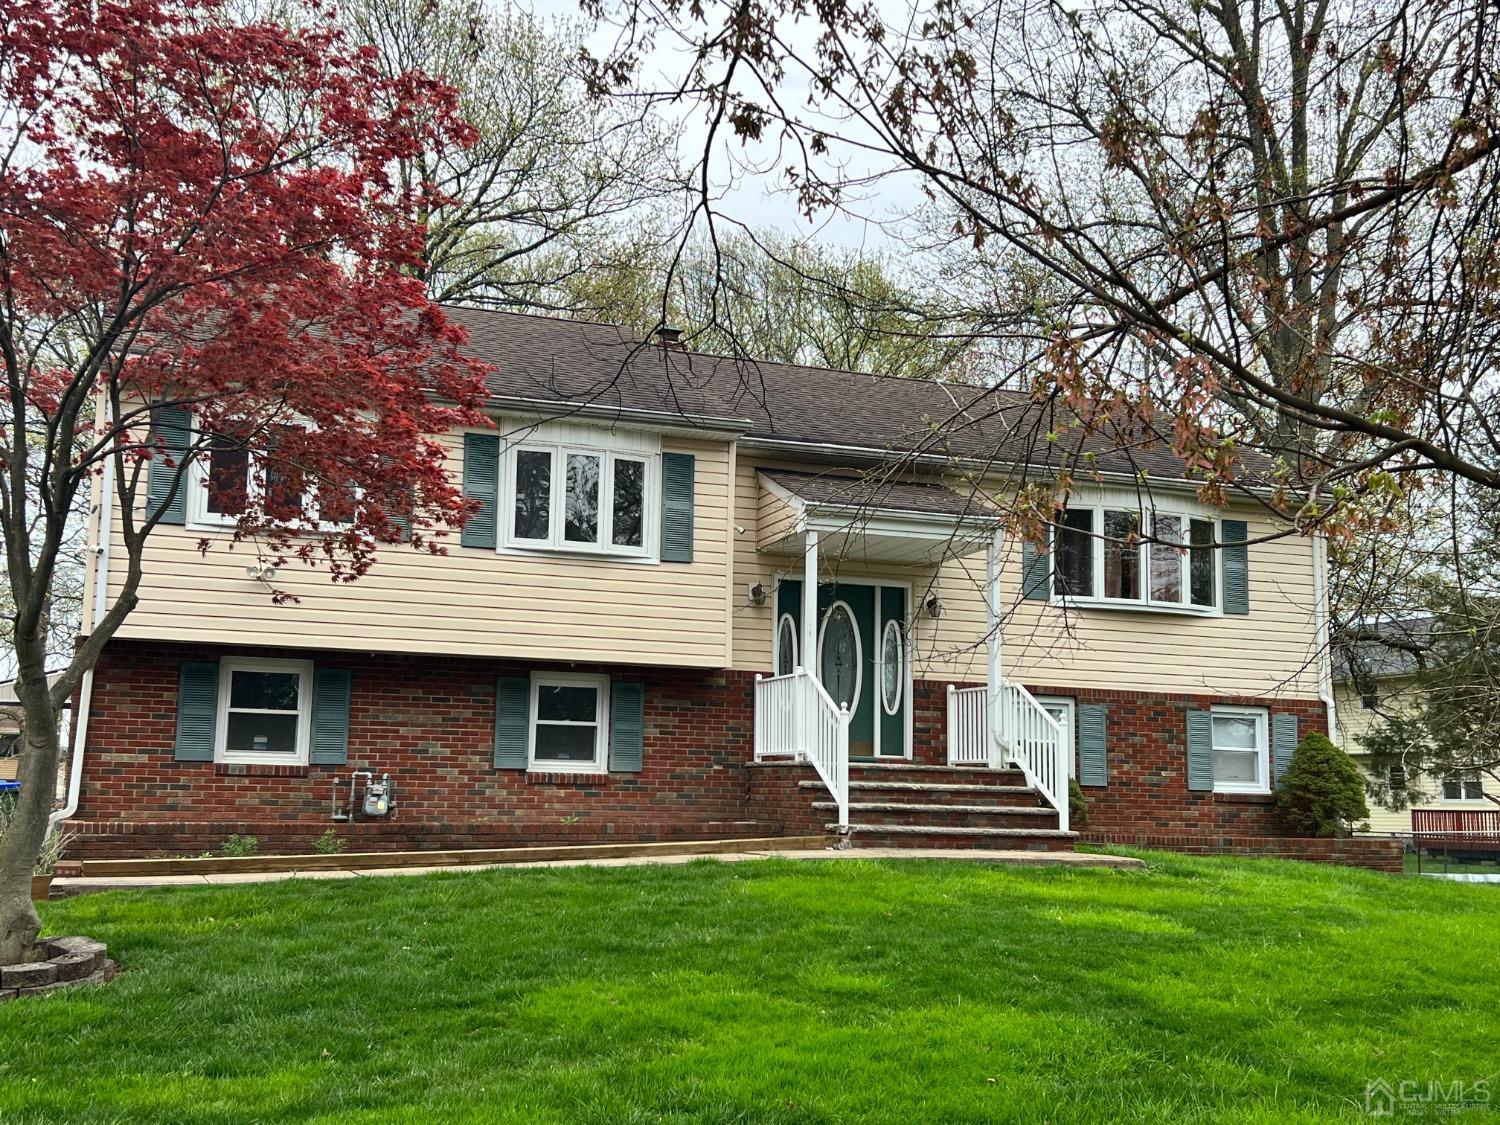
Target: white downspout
x,y
86,687
1324,641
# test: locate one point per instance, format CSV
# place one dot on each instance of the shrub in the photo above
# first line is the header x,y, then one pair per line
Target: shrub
x,y
1322,792
239,846
330,843
1078,805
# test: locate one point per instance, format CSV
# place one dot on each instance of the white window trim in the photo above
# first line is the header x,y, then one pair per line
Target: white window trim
x,y
784,619
199,518
609,448
1478,779
1069,705
1262,748
1143,555
227,667
600,764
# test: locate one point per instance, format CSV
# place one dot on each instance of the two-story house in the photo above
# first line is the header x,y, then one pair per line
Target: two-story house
x,y
705,598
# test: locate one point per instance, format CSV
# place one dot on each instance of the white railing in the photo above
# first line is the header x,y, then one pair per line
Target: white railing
x,y
1033,740
795,717
968,726
1019,731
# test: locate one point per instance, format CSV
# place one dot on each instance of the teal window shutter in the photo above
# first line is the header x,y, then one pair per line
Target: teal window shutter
x,y
1200,751
330,717
1283,742
677,507
171,434
197,710
481,483
1092,765
627,726
1034,567
1236,564
512,721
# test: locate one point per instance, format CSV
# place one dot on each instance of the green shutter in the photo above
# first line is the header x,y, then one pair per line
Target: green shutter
x,y
1200,751
1034,584
1236,567
197,708
627,726
481,483
1092,764
512,721
1283,742
171,434
677,507
330,717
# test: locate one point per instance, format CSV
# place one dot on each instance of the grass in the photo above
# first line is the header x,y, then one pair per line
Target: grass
x,y
778,991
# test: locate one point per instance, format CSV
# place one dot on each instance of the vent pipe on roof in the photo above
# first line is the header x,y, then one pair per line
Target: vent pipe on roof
x,y
670,338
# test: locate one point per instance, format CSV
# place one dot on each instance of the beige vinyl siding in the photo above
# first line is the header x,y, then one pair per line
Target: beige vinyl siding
x,y
473,601
1272,651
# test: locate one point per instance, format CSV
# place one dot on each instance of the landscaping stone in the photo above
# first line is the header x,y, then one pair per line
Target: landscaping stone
x,y
69,962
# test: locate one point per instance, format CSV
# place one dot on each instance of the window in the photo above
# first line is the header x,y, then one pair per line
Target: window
x,y
569,721
564,498
1240,750
786,645
1103,557
840,656
1395,777
230,477
1463,785
1368,700
264,709
892,667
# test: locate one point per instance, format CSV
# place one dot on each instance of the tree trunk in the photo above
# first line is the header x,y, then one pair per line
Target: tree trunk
x,y
19,924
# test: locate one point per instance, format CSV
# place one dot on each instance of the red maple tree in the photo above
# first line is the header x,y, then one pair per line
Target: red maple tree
x,y
198,222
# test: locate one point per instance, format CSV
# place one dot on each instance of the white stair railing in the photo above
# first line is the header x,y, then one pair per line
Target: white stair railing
x,y
1028,735
968,726
795,717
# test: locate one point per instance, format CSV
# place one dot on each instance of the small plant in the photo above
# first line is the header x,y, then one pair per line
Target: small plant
x,y
330,843
1322,792
54,847
1078,805
239,846
571,819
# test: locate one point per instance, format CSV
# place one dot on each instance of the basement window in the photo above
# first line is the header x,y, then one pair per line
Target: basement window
x,y
265,709
1241,757
569,718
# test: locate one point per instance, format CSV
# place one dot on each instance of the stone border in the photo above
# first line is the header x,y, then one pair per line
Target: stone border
x,y
70,961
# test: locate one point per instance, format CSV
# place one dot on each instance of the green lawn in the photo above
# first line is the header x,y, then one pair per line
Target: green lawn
x,y
772,991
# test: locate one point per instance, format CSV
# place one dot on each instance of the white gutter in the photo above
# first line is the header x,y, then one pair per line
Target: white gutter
x,y
86,687
1324,641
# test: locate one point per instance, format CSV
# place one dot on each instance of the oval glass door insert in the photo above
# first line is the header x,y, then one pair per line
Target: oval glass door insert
x,y
840,656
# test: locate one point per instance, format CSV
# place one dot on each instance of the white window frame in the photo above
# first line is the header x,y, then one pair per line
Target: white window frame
x,y
610,453
199,518
600,763
230,665
1464,778
903,660
1262,719
1145,603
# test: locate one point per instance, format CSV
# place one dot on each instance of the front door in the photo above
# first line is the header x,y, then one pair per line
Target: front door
x,y
861,658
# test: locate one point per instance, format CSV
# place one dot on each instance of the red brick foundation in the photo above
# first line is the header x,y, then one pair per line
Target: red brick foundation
x,y
429,722
1375,853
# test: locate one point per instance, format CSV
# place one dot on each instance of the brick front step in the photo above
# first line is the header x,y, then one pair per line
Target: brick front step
x,y
935,775
948,816
927,793
923,836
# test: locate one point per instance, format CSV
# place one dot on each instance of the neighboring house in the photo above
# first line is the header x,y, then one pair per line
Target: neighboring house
x,y
681,569
10,731
1378,676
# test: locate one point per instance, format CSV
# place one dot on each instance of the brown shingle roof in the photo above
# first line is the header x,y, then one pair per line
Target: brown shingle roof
x,y
603,365
871,493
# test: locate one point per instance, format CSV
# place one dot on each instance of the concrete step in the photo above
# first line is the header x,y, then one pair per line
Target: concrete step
x,y
918,772
924,836
950,816
932,793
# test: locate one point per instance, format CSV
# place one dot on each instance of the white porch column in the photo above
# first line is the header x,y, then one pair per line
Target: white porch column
x,y
993,639
810,605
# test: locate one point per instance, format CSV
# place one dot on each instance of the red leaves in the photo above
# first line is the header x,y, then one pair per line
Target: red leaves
x,y
204,207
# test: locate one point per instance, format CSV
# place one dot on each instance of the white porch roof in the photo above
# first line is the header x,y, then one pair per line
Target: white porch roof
x,y
871,518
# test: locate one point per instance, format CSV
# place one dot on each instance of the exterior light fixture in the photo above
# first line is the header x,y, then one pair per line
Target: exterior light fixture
x,y
757,593
933,607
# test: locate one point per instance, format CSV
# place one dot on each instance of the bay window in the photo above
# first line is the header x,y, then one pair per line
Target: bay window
x,y
565,498
1106,555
